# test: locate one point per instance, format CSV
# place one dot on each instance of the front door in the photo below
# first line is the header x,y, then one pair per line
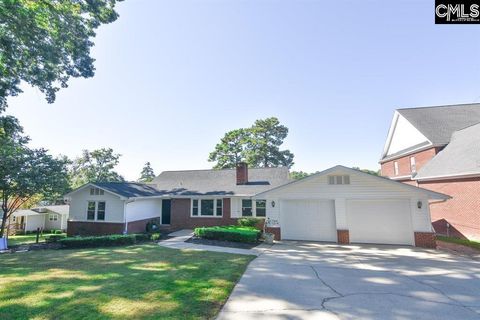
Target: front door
x,y
166,211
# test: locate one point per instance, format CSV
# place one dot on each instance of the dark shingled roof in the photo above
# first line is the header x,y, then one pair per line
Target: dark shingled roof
x,y
129,189
439,123
219,182
460,157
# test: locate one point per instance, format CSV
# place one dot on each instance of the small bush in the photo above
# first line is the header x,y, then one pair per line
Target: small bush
x,y
231,233
54,238
248,222
57,231
101,241
155,236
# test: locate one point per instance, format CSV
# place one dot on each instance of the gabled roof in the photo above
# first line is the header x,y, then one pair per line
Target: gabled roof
x,y
219,182
123,189
129,189
440,122
431,194
460,157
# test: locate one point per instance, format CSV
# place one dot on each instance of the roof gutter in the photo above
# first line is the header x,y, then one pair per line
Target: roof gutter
x,y
449,176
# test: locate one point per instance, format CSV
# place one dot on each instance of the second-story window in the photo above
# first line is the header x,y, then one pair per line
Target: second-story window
x,y
413,165
395,168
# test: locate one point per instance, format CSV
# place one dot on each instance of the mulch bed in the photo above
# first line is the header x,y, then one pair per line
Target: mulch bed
x,y
219,243
459,249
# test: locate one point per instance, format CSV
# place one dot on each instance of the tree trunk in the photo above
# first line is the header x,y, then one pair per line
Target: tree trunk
x,y
4,222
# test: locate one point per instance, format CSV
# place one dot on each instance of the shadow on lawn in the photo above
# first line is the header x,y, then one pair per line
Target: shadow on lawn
x,y
144,281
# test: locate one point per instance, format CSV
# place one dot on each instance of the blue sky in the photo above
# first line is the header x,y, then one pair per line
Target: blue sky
x,y
173,76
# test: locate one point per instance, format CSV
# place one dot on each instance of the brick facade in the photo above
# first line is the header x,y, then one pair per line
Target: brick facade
x,y
343,236
462,212
181,219
425,240
421,158
276,232
140,226
87,228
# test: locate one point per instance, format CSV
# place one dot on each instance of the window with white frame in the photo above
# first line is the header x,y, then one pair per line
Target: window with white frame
x,y
260,208
247,208
53,217
413,165
96,192
395,168
207,207
96,210
339,179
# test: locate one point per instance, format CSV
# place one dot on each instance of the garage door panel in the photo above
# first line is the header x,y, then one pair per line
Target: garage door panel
x,y
380,221
312,220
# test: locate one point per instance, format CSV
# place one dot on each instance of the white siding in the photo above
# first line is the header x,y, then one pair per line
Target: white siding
x,y
79,200
34,221
361,187
405,135
53,225
64,218
144,209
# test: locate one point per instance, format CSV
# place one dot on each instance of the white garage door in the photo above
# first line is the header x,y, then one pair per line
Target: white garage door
x,y
380,221
308,220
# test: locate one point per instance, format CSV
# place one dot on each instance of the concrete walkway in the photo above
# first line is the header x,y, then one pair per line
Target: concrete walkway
x,y
302,280
179,238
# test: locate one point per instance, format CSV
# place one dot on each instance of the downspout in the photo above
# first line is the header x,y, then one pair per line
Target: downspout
x,y
125,228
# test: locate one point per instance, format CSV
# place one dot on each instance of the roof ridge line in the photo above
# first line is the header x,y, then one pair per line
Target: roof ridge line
x,y
442,106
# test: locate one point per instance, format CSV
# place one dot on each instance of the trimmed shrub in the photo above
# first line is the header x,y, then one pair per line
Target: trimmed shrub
x,y
155,236
142,237
101,241
54,238
248,222
57,231
230,233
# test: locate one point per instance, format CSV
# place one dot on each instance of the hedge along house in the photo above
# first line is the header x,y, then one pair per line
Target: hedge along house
x,y
175,199
349,206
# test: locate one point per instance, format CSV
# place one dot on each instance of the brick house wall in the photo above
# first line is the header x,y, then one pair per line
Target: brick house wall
x,y
421,158
462,212
181,219
87,228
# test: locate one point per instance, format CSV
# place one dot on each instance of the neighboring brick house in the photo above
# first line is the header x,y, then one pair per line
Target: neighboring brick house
x,y
438,148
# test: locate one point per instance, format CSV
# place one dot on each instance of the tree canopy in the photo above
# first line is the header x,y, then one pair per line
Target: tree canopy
x,y
95,166
147,174
45,42
258,145
26,172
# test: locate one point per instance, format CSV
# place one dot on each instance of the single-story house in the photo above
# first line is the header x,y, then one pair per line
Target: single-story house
x,y
45,217
339,205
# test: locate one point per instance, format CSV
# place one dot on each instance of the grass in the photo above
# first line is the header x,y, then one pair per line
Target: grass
x,y
27,238
468,243
135,282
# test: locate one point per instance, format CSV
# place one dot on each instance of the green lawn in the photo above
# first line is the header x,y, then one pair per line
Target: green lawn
x,y
135,282
468,243
26,238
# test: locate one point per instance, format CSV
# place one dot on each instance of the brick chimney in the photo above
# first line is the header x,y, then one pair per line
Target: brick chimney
x,y
242,173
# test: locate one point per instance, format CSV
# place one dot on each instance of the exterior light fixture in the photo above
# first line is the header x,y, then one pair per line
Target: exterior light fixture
x,y
419,204
273,204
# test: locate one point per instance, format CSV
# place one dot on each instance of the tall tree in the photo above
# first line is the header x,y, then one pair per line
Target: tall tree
x,y
25,172
372,172
258,145
266,137
95,166
45,42
147,174
230,150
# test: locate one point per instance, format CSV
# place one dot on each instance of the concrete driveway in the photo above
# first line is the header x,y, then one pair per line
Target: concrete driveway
x,y
299,280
